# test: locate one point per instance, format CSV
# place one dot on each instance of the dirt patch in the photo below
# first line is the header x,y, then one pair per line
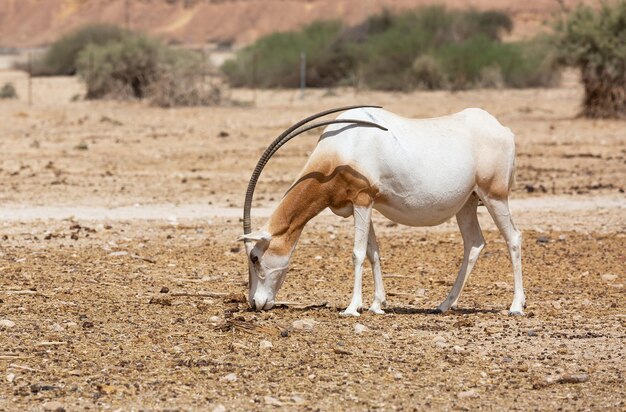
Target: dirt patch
x,y
129,317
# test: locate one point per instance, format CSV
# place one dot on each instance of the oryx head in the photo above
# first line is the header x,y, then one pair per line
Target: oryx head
x,y
267,266
266,270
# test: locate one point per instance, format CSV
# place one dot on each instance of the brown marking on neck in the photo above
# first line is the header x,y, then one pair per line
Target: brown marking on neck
x,y
328,182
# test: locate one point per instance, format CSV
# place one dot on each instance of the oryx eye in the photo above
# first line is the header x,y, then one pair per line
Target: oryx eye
x,y
254,259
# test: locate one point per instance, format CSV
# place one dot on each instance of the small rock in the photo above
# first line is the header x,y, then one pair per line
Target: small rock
x,y
467,394
57,328
215,320
118,253
556,304
531,333
398,376
87,325
311,377
608,277
439,339
71,325
298,400
284,333
543,240
304,324
10,377
265,344
420,293
358,328
223,134
502,285
231,377
269,400
164,289
6,324
579,378
458,349
219,408
54,406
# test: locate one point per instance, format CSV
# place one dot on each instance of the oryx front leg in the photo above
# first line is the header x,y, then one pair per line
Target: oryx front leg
x,y
473,243
373,255
362,219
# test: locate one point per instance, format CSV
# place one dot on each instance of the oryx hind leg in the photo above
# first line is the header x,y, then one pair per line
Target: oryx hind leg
x,y
373,255
473,243
362,220
501,215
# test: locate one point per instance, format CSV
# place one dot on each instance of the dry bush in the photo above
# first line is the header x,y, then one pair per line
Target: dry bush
x,y
595,42
141,67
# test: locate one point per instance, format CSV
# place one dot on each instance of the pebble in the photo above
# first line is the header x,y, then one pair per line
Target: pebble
x,y
71,325
438,339
6,324
398,376
556,304
358,328
608,277
118,253
265,344
10,377
215,319
441,345
579,378
219,408
467,394
231,377
57,328
458,349
304,324
54,406
420,293
298,400
269,400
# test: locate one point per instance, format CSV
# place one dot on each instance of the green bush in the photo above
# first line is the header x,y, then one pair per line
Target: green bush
x,y
274,60
595,42
140,67
427,48
61,57
8,91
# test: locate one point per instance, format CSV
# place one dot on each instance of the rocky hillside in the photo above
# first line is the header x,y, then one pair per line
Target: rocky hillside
x,y
27,23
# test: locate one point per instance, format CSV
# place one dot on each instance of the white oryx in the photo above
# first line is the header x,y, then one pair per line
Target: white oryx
x,y
415,172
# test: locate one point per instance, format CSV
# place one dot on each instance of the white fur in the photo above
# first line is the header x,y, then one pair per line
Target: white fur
x,y
427,171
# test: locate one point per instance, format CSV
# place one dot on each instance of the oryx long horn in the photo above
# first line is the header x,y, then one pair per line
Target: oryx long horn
x,y
284,138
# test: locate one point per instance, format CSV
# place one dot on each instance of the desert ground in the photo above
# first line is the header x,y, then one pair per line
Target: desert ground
x,y
122,285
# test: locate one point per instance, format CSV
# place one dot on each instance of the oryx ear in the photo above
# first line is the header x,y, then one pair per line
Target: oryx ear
x,y
256,236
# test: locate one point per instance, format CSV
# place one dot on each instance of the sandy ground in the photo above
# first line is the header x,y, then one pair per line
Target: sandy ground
x,y
121,274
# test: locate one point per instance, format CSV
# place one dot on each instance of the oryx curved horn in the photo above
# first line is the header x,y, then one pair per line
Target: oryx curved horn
x,y
284,138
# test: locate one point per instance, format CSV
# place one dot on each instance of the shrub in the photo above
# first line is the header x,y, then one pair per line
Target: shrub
x,y
137,67
8,91
122,68
61,57
594,41
274,60
428,48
